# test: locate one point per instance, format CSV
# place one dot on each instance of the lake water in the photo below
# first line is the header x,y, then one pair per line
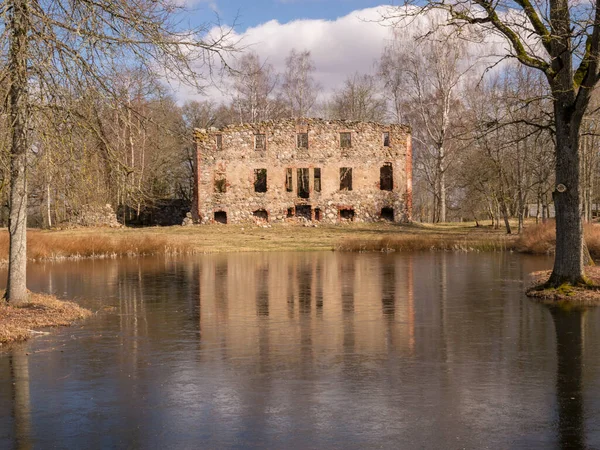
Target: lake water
x,y
304,350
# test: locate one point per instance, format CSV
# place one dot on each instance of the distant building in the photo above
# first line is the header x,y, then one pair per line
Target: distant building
x,y
533,211
320,170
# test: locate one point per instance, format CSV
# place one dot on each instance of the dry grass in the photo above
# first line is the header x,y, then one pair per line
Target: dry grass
x,y
112,243
592,239
96,245
444,237
413,243
91,243
541,239
538,239
17,323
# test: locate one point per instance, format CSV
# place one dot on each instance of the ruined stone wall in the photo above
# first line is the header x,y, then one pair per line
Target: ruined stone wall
x,y
227,160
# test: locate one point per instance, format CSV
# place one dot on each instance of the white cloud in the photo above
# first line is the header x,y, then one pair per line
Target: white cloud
x,y
212,5
339,48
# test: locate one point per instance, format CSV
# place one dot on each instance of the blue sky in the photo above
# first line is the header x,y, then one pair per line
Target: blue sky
x,y
251,13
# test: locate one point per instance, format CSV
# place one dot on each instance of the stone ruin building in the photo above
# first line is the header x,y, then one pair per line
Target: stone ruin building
x,y
319,170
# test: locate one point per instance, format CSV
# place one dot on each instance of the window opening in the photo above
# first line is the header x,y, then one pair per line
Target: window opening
x,y
302,140
288,180
317,177
260,143
219,142
345,178
317,213
220,217
303,189
304,211
386,138
261,214
347,214
387,214
260,180
386,177
345,140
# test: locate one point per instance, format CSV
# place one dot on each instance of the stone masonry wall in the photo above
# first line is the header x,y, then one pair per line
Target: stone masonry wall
x,y
228,163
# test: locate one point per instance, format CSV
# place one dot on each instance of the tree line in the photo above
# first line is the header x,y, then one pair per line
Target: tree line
x,y
482,139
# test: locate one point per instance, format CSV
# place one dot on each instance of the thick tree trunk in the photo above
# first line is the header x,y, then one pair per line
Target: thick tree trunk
x,y
16,290
568,261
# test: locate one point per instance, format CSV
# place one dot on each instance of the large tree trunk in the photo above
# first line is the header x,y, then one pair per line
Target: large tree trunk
x,y
568,114
568,261
16,290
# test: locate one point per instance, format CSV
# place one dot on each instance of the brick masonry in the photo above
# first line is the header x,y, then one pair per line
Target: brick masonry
x,y
228,160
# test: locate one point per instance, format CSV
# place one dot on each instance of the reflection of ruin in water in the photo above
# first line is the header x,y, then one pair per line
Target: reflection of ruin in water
x,y
336,364
313,299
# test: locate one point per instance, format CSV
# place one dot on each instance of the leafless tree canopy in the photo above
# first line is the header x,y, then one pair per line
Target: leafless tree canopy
x,y
359,99
561,39
299,86
59,52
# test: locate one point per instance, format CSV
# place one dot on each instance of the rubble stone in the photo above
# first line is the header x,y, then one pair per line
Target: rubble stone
x,y
97,216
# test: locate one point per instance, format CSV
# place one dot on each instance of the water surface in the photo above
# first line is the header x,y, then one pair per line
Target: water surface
x,y
304,350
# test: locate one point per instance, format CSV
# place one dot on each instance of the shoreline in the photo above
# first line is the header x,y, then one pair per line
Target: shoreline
x,y
107,243
19,323
566,296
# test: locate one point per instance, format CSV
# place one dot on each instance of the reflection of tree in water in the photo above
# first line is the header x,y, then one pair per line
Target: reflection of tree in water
x,y
388,288
290,291
347,274
262,289
569,351
221,291
304,277
347,277
19,365
319,287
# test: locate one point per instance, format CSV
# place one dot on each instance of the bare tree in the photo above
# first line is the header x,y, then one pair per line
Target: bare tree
x,y
58,47
298,85
562,40
424,80
254,90
507,158
590,140
359,99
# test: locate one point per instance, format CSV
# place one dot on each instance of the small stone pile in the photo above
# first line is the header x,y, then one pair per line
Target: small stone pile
x,y
97,216
188,221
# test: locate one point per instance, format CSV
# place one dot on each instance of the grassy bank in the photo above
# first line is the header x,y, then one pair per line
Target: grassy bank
x,y
444,237
567,295
111,243
19,323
